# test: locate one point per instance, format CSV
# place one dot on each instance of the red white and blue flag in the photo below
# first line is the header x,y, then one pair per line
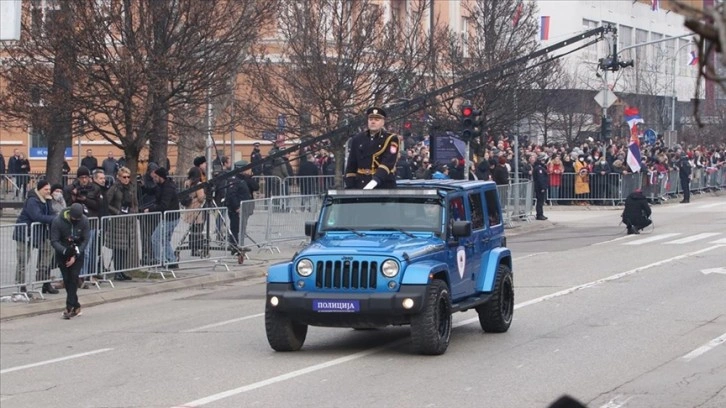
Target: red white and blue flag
x,y
632,117
654,5
544,28
693,58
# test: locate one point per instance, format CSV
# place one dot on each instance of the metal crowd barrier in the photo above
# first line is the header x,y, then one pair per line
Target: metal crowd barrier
x,y
278,219
516,200
125,243
191,235
14,259
309,185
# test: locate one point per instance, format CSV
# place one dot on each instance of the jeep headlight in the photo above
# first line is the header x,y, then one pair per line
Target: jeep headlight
x,y
305,267
389,268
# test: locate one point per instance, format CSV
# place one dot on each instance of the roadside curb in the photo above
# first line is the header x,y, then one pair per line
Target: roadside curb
x,y
117,294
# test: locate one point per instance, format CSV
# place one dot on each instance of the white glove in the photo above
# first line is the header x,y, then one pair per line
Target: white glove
x,y
371,185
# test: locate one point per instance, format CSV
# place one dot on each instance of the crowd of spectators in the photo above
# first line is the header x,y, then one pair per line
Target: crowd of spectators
x,y
578,173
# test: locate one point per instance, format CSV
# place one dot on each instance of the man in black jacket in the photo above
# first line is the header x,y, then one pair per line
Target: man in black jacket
x,y
636,214
146,190
167,203
541,184
684,173
69,236
240,205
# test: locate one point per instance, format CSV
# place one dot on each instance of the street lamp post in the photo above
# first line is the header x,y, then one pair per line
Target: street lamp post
x,y
673,89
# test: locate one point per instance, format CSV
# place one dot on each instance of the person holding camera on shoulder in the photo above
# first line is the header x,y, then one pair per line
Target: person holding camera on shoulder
x,y
69,236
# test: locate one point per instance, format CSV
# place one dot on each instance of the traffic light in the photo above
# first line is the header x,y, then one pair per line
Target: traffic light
x,y
470,121
606,129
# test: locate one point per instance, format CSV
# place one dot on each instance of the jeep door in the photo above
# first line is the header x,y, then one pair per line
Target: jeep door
x,y
479,240
461,251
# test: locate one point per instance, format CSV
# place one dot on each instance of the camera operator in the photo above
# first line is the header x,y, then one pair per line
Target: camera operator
x,y
239,204
166,201
69,236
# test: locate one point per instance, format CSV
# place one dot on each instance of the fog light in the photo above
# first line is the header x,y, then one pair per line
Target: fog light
x,y
274,301
407,303
391,285
300,283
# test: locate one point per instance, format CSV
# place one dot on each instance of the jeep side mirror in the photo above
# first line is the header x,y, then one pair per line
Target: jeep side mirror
x,y
461,229
310,228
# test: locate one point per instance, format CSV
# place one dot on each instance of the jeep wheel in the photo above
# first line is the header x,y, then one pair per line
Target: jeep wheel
x,y
495,316
431,329
283,333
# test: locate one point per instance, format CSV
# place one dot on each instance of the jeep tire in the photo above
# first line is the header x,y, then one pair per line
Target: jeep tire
x,y
283,333
495,316
431,329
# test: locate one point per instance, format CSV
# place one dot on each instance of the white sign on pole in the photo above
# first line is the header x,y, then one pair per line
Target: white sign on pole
x,y
10,20
605,98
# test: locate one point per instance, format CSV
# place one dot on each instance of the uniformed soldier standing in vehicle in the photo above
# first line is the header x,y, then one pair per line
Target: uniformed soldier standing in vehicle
x,y
373,155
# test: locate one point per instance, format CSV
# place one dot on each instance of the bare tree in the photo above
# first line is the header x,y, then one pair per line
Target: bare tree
x,y
39,74
495,31
142,67
335,58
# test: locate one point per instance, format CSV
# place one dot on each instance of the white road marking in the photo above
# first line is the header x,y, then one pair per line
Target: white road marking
x,y
617,402
55,360
614,240
693,238
209,326
705,348
364,353
653,238
713,270
528,256
721,241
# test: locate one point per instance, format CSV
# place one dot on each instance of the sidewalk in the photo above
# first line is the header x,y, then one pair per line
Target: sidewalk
x,y
198,274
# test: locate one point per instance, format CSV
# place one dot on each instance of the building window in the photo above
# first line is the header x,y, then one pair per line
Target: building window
x,y
641,53
625,37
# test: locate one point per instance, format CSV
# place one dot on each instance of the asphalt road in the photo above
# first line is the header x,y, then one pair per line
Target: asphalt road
x,y
614,321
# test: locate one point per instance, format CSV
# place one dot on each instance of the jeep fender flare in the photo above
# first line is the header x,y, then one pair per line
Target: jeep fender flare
x,y
419,272
489,263
280,273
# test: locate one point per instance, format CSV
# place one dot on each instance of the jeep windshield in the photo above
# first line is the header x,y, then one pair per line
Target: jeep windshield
x,y
382,213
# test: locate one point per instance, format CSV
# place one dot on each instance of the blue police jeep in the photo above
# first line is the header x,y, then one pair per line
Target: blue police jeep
x,y
409,256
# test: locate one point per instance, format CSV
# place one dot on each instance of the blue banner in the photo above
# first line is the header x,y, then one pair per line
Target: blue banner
x,y
42,153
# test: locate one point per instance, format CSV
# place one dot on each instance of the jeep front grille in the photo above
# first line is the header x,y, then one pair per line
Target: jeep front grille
x,y
346,274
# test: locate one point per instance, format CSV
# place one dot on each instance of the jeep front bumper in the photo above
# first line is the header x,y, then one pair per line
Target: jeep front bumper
x,y
366,309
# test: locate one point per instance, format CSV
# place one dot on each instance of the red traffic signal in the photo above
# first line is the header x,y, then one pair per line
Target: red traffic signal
x,y
467,111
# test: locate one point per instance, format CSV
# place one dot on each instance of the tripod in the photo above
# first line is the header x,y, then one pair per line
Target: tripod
x,y
201,238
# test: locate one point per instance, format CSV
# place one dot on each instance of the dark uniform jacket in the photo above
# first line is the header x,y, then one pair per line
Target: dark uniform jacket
x,y
684,168
372,157
637,211
540,176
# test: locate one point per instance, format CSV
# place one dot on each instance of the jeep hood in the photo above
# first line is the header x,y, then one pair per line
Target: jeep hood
x,y
379,244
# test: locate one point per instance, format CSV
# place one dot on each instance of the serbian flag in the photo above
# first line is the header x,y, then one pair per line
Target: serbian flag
x,y
654,5
693,58
632,117
544,28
